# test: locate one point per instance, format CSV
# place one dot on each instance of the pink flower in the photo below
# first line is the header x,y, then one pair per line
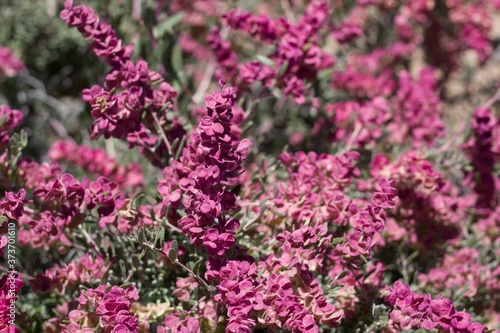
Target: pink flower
x,y
217,244
9,64
13,204
10,120
112,307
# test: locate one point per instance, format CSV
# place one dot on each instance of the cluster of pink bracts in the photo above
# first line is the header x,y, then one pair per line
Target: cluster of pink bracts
x,y
134,100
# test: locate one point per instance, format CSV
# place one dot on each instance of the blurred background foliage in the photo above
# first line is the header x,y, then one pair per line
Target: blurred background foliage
x,y
56,71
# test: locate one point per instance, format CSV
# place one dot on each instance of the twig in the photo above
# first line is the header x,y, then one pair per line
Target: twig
x,y
404,268
59,129
197,277
130,275
217,315
448,144
354,135
162,133
79,247
492,100
197,97
40,92
89,239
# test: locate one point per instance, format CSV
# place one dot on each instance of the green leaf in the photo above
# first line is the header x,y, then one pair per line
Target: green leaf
x,y
265,60
236,190
177,63
24,138
136,261
325,74
260,272
221,327
149,16
283,69
332,291
174,251
152,213
278,213
162,233
167,25
17,142
205,326
412,256
196,266
175,19
122,268
105,277
125,285
137,200
341,274
368,274
180,148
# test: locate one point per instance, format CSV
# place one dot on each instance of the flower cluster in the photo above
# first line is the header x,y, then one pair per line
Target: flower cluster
x,y
131,92
367,222
414,311
175,324
484,152
344,117
268,301
428,201
34,174
106,308
12,206
463,273
10,119
96,162
314,188
488,227
297,49
196,12
216,159
413,114
83,270
369,75
417,110
62,202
